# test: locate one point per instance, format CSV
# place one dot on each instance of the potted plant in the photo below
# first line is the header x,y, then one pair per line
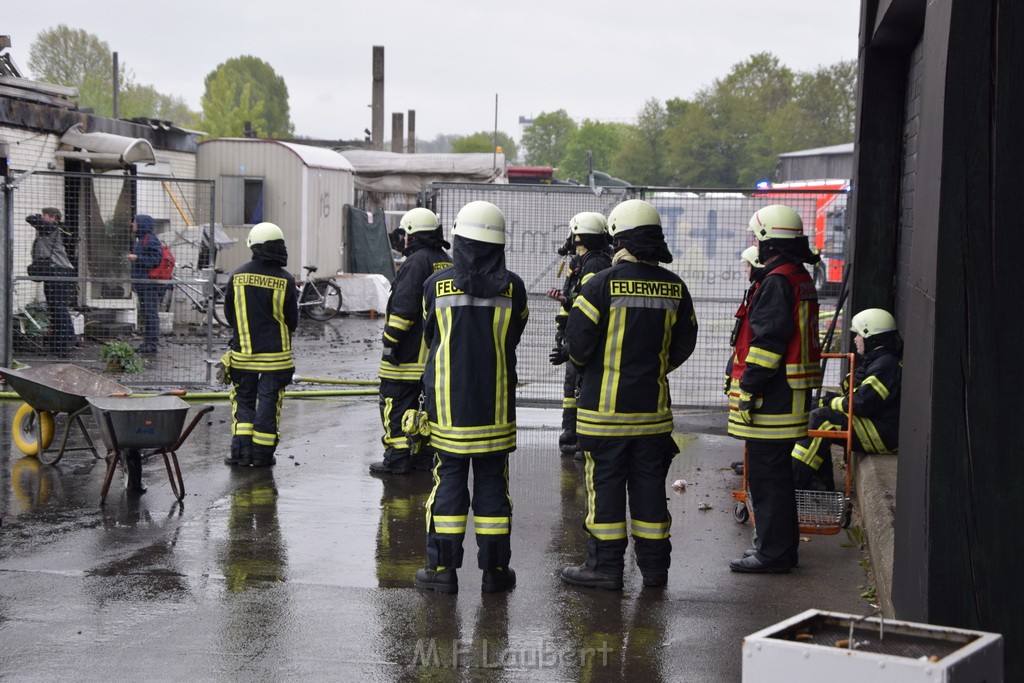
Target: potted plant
x,y
121,357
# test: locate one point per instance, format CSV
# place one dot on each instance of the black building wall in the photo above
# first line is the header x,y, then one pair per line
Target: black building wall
x,y
936,205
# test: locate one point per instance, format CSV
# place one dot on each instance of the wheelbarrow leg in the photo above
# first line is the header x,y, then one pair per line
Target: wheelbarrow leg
x,y
112,459
85,433
177,483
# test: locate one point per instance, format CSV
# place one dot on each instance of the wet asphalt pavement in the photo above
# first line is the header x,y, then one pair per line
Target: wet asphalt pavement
x,y
305,570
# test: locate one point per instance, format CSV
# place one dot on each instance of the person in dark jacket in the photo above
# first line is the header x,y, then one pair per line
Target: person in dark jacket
x,y
474,316
876,402
48,248
588,240
630,326
261,306
775,367
146,254
401,365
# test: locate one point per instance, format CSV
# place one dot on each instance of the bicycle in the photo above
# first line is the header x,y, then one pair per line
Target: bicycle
x,y
196,292
319,298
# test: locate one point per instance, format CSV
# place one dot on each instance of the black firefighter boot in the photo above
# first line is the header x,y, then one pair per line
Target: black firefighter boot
x,y
241,452
262,456
439,579
587,576
395,462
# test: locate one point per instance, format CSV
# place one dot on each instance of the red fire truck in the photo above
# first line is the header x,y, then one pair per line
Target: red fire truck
x,y
823,208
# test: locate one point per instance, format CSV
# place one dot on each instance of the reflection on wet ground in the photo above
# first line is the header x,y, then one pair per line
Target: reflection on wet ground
x,y
306,569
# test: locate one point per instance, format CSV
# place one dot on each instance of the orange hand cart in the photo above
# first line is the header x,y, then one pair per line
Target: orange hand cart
x,y
819,512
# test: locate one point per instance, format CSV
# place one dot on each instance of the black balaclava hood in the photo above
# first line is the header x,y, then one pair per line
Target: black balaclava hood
x,y
426,240
889,340
645,243
593,242
479,267
797,250
273,252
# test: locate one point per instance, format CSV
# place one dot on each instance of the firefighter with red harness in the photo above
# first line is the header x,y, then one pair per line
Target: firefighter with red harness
x,y
775,367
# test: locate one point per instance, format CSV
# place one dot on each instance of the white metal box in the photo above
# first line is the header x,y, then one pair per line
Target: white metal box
x,y
817,646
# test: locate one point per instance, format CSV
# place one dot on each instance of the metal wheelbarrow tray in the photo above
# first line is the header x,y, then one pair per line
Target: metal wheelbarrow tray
x,y
57,388
132,427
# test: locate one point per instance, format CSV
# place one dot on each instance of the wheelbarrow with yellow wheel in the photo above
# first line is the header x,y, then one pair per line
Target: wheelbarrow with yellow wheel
x,y
49,390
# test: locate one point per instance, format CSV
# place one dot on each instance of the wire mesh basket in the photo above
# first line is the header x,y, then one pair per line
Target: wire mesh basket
x,y
821,509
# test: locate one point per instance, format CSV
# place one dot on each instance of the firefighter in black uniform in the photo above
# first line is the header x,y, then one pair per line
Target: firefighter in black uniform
x,y
774,369
474,316
630,326
876,402
261,306
588,238
401,366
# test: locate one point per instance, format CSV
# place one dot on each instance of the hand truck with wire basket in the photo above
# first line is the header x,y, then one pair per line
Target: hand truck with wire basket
x,y
818,512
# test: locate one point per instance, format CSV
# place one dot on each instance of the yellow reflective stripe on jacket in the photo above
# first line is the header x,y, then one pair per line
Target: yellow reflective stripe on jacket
x,y
403,372
803,375
398,323
587,309
877,385
612,359
262,362
763,357
656,531
568,403
492,526
499,331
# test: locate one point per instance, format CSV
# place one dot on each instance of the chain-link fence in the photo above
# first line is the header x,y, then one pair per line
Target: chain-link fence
x,y
705,231
94,229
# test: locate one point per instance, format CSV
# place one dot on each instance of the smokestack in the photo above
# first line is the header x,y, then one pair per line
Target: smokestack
x,y
378,98
397,130
411,142
117,104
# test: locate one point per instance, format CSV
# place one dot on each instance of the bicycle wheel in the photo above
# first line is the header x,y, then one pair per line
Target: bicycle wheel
x,y
322,300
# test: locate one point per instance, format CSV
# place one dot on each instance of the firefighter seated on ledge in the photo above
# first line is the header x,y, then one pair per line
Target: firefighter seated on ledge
x,y
876,402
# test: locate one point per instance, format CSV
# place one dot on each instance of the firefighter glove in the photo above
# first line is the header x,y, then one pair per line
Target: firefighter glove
x,y
727,385
559,354
223,368
746,407
826,399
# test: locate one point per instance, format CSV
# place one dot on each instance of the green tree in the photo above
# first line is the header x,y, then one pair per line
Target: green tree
x,y
724,139
226,112
68,56
602,140
483,142
546,138
79,59
640,159
822,111
266,91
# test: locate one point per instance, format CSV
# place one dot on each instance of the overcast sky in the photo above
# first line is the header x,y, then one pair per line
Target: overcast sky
x,y
448,59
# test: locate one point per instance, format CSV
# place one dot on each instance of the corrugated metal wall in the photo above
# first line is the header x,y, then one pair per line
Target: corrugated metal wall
x,y
305,202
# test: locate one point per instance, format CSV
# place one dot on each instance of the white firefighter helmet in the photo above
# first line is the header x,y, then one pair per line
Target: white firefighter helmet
x,y
588,223
419,220
632,213
872,321
776,222
263,232
480,221
749,255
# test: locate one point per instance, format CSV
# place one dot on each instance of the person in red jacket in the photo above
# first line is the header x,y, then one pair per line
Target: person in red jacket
x,y
775,367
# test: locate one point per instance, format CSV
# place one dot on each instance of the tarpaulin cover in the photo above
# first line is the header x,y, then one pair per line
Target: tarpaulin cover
x,y
368,248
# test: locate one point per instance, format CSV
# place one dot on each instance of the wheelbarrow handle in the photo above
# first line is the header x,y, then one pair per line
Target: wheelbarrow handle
x,y
191,425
